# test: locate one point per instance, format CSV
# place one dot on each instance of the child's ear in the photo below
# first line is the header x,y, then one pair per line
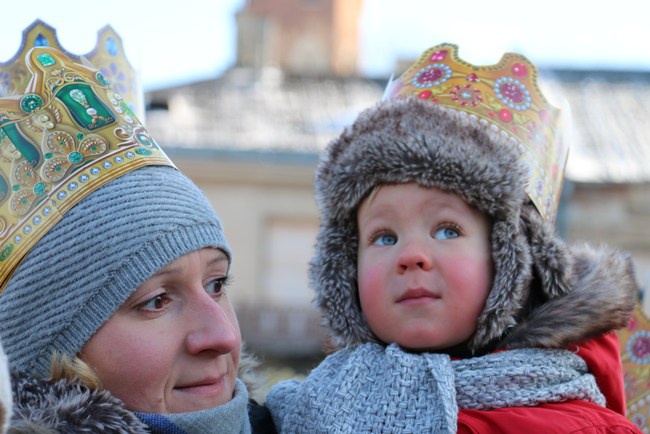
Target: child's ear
x,y
552,260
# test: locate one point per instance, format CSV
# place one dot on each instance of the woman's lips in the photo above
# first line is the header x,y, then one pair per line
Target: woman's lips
x,y
208,386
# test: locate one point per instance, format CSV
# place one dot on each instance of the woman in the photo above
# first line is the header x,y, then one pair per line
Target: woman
x,y
113,301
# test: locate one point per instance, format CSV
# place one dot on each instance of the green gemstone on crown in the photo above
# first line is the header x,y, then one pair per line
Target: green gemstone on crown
x,y
80,136
142,151
127,109
31,102
101,79
39,189
46,59
6,252
75,157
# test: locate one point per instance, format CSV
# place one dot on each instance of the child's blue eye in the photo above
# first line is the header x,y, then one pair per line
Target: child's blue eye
x,y
446,233
385,240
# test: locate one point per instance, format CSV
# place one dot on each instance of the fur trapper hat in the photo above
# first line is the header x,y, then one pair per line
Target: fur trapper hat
x,y
413,141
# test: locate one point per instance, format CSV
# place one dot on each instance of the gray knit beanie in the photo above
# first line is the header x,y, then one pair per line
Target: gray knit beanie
x,y
89,263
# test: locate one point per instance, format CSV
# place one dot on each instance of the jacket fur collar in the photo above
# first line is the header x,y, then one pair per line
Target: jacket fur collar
x,y
42,407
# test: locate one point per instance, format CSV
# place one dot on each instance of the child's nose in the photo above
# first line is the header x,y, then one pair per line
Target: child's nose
x,y
212,327
414,255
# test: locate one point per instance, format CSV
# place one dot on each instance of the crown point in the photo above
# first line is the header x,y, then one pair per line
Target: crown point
x,y
503,97
59,142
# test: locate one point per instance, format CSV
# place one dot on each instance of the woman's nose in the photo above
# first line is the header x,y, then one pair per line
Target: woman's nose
x,y
414,255
213,326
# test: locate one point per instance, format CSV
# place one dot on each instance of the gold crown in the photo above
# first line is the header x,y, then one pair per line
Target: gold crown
x,y
504,98
108,56
66,135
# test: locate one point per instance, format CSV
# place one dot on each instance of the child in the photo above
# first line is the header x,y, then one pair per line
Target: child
x,y
439,274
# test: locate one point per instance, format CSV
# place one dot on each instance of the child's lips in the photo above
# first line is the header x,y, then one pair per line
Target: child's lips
x,y
417,295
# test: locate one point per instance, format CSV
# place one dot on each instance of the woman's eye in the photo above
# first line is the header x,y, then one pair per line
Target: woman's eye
x,y
446,233
217,286
385,240
155,303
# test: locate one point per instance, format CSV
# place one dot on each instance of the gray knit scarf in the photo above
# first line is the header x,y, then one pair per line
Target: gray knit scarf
x,y
371,388
230,418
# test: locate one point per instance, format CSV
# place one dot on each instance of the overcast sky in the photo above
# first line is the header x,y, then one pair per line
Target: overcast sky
x,y
181,41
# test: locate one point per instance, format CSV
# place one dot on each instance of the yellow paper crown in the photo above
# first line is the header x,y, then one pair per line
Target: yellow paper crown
x,y
67,134
504,98
635,354
108,56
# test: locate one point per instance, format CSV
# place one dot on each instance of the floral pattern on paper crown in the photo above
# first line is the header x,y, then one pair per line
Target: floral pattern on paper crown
x,y
66,135
635,354
504,98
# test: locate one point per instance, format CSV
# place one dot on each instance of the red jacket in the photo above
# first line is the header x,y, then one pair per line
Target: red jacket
x,y
603,358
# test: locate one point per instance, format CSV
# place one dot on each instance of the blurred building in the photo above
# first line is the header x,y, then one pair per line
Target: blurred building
x,y
300,37
251,138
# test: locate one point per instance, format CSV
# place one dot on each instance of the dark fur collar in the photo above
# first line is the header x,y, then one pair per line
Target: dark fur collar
x,y
67,407
600,297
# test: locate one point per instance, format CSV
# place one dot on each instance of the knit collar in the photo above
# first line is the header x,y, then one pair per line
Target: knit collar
x,y
231,417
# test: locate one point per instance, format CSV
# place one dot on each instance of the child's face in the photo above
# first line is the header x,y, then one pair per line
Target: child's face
x,y
425,266
173,346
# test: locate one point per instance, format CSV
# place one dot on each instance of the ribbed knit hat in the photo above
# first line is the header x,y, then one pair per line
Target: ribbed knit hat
x,y
88,264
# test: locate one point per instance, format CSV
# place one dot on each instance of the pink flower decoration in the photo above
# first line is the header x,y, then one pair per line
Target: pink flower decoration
x,y
641,347
519,70
430,75
438,55
505,115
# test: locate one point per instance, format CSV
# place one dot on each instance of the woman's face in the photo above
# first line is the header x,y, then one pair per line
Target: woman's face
x,y
173,346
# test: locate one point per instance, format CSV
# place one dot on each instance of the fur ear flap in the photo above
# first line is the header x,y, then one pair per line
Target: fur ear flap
x,y
510,288
581,291
5,393
552,261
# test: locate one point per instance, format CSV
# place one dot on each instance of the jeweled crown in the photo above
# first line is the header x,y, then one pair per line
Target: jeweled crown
x,y
504,98
65,135
108,56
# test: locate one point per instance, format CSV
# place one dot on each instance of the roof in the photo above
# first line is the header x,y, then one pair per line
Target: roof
x,y
246,110
610,117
